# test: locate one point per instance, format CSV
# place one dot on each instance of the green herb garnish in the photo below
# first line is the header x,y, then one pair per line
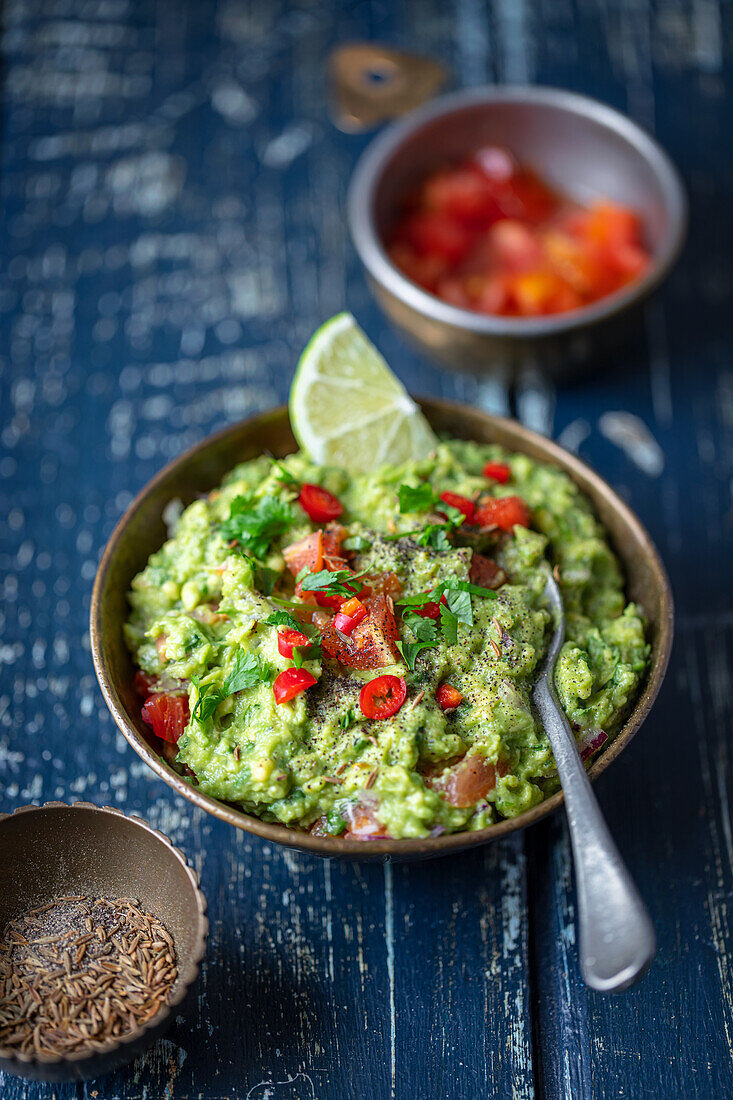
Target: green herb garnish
x,y
420,498
284,475
332,583
426,634
335,823
356,543
253,524
248,671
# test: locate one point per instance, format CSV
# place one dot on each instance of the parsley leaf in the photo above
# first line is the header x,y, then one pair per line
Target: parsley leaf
x,y
457,609
418,498
434,535
247,672
282,618
255,523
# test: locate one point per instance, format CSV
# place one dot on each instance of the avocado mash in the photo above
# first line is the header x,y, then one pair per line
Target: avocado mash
x,y
354,654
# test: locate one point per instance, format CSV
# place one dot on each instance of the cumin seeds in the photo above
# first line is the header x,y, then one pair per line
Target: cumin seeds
x,y
79,972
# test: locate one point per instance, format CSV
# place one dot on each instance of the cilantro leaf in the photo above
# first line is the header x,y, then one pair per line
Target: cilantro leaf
x,y
466,586
448,624
253,524
434,535
334,582
247,672
418,498
282,618
426,636
459,602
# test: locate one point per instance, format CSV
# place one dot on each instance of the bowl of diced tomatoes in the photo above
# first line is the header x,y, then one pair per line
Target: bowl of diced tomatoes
x,y
502,227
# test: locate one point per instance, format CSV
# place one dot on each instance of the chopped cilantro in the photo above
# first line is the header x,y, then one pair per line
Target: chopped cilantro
x,y
247,672
426,637
347,719
434,535
333,582
253,524
420,498
284,475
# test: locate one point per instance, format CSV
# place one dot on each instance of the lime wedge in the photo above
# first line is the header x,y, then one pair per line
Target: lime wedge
x,y
348,409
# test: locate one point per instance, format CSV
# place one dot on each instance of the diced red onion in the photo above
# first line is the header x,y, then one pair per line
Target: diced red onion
x,y
437,830
591,742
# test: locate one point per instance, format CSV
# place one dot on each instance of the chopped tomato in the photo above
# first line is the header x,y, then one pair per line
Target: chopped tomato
x,y
363,823
320,505
448,697
466,782
288,640
373,642
383,584
436,234
428,610
351,614
290,683
143,684
497,471
382,697
463,504
307,553
503,512
167,714
488,234
485,572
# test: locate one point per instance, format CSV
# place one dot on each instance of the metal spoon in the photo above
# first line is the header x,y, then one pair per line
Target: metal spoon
x,y
617,940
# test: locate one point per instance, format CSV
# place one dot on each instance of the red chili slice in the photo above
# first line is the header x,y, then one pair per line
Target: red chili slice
x,y
463,504
351,614
167,714
290,683
288,640
448,697
497,471
503,512
383,696
320,505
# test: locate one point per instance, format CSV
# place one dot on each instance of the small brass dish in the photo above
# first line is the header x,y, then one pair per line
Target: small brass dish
x,y
141,531
579,146
58,850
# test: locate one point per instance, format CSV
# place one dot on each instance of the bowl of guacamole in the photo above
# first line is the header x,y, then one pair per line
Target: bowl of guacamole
x,y
343,662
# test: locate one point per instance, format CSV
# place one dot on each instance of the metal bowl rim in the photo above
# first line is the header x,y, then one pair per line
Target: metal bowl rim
x,y
381,849
187,979
371,251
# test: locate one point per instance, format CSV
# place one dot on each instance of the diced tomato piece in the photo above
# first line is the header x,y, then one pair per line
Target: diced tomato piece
x,y
485,572
462,193
382,584
437,234
290,683
373,642
167,714
514,246
467,782
463,504
503,512
351,614
428,610
382,697
426,271
288,640
144,685
448,697
307,553
363,823
497,471
610,224
535,291
320,505
629,259
496,163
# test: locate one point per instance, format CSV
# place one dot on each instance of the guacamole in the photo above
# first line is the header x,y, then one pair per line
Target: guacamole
x,y
354,654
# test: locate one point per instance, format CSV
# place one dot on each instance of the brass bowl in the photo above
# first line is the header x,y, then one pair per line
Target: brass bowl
x,y
142,531
579,146
58,849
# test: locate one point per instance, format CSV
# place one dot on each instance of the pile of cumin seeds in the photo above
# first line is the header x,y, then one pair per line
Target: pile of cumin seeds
x,y
79,972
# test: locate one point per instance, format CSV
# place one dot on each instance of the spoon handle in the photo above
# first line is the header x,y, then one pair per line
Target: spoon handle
x,y
616,937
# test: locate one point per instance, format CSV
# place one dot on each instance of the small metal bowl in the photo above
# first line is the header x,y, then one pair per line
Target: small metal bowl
x,y
580,147
141,531
58,849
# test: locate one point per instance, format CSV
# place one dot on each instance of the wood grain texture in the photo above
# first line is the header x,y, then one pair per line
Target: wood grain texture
x,y
172,231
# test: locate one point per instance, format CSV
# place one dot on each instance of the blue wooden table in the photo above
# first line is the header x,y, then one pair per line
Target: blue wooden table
x,y
172,231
